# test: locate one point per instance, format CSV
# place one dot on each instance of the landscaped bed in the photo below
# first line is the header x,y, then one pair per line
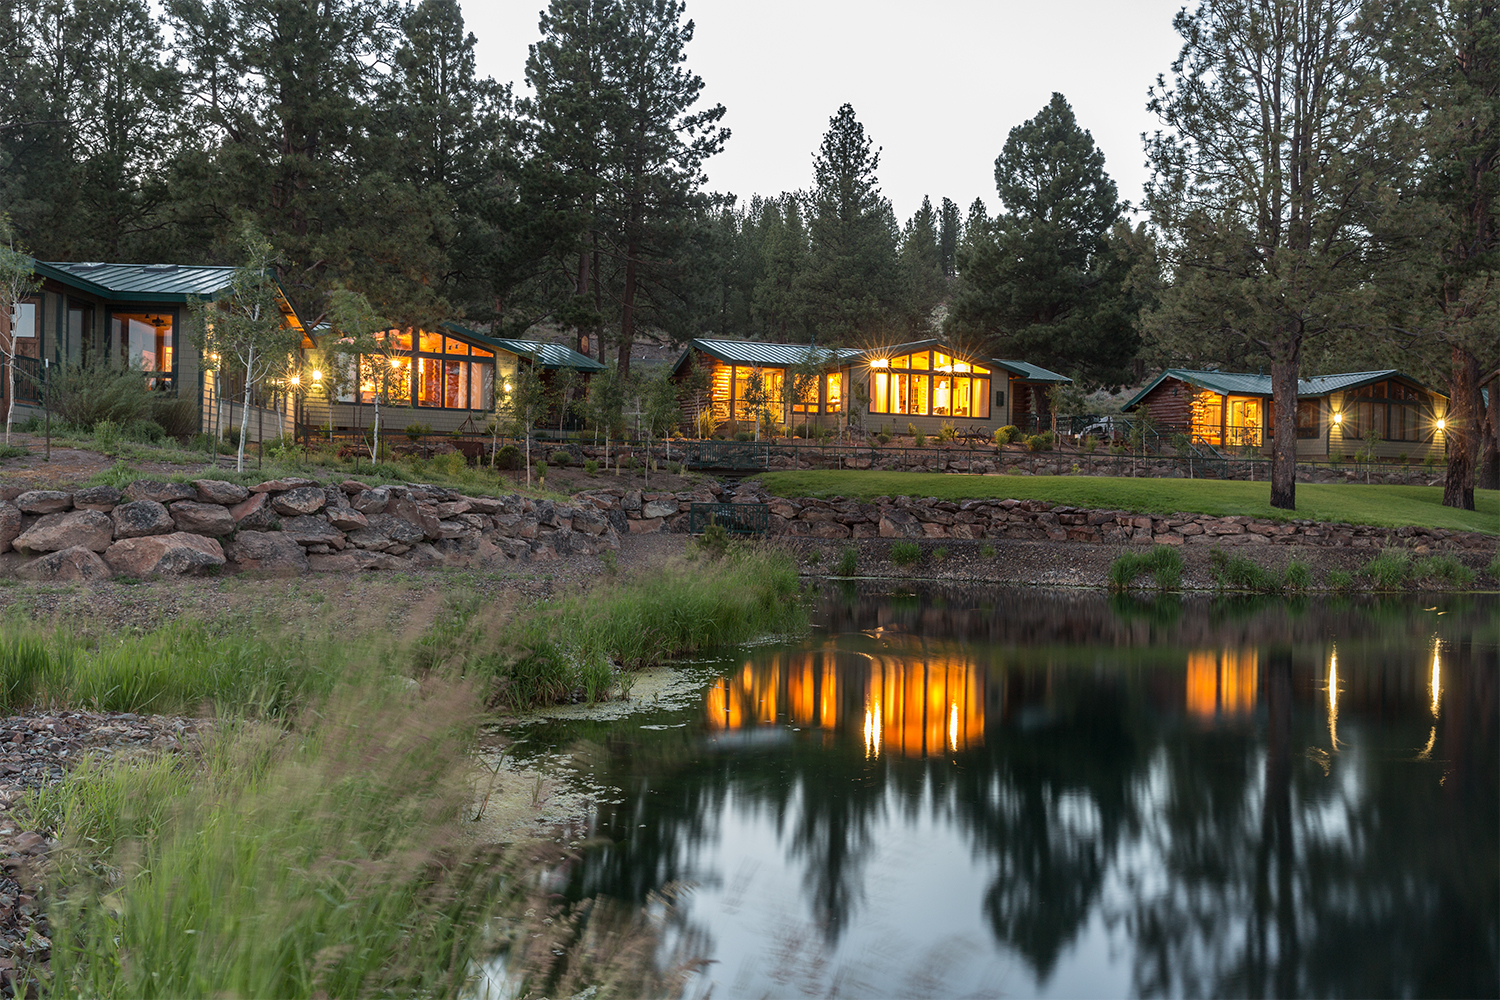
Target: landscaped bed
x,y
1384,506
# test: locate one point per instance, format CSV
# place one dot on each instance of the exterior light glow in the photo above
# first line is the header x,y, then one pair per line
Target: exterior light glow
x,y
507,387
296,380
395,362
880,363
1441,424
1338,418
317,376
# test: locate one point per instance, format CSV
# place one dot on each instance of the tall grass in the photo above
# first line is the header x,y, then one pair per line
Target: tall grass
x,y
330,862
570,648
182,667
1162,563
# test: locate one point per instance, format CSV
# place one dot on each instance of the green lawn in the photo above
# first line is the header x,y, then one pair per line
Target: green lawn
x,y
1387,506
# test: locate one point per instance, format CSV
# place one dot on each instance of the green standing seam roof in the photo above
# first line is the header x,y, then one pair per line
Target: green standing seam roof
x,y
1244,384
1030,372
546,354
141,282
752,352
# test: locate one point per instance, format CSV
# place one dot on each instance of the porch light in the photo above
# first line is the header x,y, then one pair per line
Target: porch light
x,y
395,362
317,377
1338,418
1441,423
507,387
880,363
296,380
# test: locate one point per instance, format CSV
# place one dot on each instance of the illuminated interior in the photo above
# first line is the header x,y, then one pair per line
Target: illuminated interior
x,y
910,705
146,341
1393,410
929,382
441,369
1224,682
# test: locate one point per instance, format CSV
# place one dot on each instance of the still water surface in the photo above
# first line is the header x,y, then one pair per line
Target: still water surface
x,y
988,793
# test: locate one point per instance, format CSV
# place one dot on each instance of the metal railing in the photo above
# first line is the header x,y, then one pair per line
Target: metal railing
x,y
735,518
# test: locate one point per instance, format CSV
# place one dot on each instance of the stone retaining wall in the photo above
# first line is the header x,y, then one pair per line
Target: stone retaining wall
x,y
286,527
1033,520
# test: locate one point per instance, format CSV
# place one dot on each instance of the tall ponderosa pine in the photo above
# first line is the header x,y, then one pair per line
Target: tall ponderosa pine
x,y
851,279
922,281
1266,175
950,229
283,98
90,118
1042,281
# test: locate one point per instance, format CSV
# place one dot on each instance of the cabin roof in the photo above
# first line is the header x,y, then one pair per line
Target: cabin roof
x,y
541,352
754,352
141,282
1244,384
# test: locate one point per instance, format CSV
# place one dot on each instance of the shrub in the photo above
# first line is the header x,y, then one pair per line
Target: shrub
x,y
508,457
919,439
1388,571
948,432
177,415
561,459
911,428
1443,571
143,432
675,468
848,561
940,553
416,432
743,436
1005,435
1238,573
106,435
590,466
714,541
1340,580
1039,442
1089,444
883,437
707,425
905,553
541,471
1298,577
1494,568
83,395
1163,563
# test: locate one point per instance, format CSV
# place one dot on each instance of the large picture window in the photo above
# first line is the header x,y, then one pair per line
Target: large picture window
x,y
146,341
929,382
442,372
1393,410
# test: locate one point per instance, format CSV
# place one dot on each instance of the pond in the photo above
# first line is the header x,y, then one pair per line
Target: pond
x,y
964,792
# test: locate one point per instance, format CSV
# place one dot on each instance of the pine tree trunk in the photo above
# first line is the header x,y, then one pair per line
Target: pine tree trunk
x,y
1284,444
1461,431
627,310
1489,433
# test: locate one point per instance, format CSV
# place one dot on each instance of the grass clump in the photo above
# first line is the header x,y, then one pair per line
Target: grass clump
x,y
1231,572
1388,571
570,649
1298,577
905,553
1340,581
1442,571
330,862
848,561
1163,564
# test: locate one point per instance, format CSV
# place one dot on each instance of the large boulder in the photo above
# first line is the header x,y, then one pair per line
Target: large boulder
x,y
273,553
10,525
303,500
346,519
177,554
282,485
77,564
396,529
374,501
43,501
139,518
310,530
254,514
163,493
54,532
202,518
101,498
220,492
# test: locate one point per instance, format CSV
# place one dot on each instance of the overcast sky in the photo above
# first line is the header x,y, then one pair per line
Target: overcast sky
x,y
938,84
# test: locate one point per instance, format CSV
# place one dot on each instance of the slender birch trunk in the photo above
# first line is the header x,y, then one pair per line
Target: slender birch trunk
x,y
245,411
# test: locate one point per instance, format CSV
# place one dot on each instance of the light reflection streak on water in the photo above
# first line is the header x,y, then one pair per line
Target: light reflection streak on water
x,y
953,729
872,730
1333,699
1436,682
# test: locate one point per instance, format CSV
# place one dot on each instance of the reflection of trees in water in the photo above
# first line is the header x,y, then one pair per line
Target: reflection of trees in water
x,y
1223,852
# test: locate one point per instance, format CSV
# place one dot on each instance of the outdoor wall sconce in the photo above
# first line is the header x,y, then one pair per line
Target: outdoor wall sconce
x,y
880,363
317,377
1338,418
1441,424
296,380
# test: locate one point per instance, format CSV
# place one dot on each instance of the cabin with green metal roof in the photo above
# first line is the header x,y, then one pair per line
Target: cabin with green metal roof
x,y
926,384
1338,416
445,380
131,315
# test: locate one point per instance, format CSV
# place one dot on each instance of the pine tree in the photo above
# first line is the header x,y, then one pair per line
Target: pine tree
x,y
1267,173
949,232
776,300
1040,282
922,279
850,283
